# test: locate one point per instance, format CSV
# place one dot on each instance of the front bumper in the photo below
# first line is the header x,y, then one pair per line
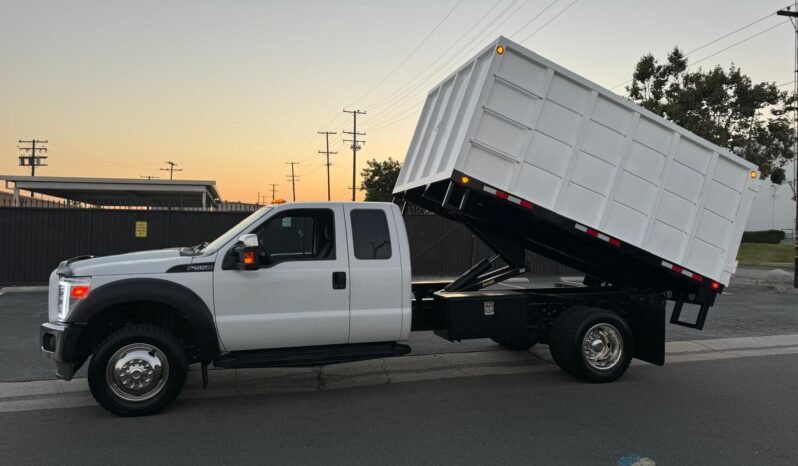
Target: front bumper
x,y
61,342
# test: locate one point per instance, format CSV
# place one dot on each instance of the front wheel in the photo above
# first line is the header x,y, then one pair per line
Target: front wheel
x,y
595,345
138,370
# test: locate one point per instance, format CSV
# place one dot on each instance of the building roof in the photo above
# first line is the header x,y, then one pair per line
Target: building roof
x,y
120,191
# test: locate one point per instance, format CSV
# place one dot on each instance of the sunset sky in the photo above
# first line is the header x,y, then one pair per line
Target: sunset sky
x,y
231,90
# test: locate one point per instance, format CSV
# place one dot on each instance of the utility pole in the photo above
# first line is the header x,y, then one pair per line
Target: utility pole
x,y
149,177
293,178
328,153
355,146
274,191
30,157
792,13
171,169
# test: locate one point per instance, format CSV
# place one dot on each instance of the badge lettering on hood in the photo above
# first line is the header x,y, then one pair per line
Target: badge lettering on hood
x,y
206,267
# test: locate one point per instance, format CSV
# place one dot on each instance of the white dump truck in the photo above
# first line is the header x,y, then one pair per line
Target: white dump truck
x,y
527,155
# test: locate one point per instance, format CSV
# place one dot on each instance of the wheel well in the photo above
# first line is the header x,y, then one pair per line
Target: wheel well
x,y
120,315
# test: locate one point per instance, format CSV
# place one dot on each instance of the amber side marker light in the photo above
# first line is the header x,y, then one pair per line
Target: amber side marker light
x,y
249,257
79,292
754,174
464,180
500,50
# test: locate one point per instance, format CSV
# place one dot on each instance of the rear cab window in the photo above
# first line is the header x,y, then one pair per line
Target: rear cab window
x,y
370,234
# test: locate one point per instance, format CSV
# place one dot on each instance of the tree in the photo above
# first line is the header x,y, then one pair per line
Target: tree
x,y
379,179
722,106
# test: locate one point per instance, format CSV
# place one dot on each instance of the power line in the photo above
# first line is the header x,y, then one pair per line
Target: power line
x,y
442,66
337,115
423,41
715,41
355,145
171,169
535,17
737,43
769,15
408,112
293,179
328,153
29,156
404,115
392,96
550,21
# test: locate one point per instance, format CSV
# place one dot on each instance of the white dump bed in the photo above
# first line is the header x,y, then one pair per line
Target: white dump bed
x,y
527,126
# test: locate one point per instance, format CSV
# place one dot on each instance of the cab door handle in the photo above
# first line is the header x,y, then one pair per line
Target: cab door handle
x,y
339,280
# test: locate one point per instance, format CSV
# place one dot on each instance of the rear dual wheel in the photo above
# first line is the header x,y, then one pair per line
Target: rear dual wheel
x,y
595,345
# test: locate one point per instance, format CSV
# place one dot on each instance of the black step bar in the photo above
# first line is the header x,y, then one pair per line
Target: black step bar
x,y
310,355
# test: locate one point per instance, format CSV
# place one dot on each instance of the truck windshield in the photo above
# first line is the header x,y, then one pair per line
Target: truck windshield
x,y
237,230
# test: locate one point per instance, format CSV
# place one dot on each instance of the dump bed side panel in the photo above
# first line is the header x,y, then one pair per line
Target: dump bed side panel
x,y
443,125
551,137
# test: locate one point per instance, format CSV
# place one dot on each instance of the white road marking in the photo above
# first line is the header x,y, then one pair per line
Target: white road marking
x,y
53,394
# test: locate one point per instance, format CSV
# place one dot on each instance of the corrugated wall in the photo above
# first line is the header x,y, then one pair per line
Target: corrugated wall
x,y
34,240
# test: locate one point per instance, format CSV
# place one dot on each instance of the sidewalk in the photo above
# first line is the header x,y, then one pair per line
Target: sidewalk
x,y
52,394
749,275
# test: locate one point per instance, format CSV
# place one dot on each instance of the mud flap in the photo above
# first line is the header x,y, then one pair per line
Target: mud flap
x,y
647,320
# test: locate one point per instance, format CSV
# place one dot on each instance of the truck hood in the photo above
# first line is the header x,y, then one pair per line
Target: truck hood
x,y
144,262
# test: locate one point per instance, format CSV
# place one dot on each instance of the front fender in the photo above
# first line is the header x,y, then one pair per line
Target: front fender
x,y
182,299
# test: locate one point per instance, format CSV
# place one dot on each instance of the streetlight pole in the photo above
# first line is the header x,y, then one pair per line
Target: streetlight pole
x,y
792,13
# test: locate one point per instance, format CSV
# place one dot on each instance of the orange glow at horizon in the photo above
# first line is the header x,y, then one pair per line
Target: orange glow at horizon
x,y
232,91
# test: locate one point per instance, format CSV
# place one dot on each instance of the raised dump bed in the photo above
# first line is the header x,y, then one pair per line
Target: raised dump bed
x,y
589,178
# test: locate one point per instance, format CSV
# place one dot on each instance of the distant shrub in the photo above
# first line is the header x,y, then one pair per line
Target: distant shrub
x,y
766,236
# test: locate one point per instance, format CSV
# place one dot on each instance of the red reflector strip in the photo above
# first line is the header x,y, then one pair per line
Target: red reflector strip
x,y
507,197
596,234
683,271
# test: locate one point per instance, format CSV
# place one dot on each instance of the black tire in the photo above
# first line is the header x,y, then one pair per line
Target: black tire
x,y
515,344
104,387
567,337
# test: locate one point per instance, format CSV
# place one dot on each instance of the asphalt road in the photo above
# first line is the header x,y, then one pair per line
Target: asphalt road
x,y
725,412
742,311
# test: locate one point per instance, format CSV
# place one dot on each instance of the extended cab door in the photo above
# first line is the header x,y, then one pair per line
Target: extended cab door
x,y
376,274
300,294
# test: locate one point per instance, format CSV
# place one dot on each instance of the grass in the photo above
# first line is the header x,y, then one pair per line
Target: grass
x,y
765,254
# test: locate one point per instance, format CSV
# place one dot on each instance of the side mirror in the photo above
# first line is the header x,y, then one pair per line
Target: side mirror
x,y
248,252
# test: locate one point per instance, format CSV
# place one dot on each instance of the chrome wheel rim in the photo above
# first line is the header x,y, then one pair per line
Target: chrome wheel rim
x,y
137,372
602,346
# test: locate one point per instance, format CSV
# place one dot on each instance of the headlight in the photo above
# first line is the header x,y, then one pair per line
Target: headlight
x,y
70,291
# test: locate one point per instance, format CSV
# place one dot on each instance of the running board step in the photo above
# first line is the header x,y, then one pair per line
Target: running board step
x,y
310,355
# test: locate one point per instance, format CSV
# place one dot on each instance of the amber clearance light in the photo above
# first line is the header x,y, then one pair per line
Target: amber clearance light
x,y
754,174
500,50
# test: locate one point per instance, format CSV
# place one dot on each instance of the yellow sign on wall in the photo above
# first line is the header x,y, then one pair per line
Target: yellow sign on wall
x,y
141,229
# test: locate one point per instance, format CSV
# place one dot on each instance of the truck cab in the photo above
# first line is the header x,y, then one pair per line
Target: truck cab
x,y
326,274
333,277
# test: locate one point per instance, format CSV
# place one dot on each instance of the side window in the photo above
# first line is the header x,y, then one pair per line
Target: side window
x,y
370,234
300,234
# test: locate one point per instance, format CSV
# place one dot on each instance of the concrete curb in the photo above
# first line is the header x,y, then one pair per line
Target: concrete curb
x,y
51,394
